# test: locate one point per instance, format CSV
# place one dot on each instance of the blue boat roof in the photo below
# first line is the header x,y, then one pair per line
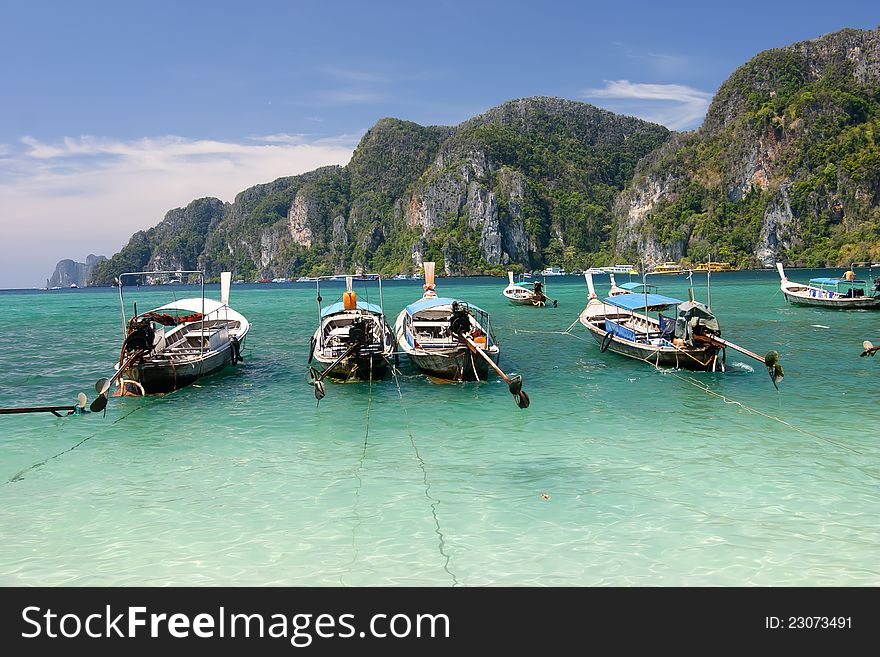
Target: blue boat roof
x,y
637,301
833,281
339,307
424,304
635,286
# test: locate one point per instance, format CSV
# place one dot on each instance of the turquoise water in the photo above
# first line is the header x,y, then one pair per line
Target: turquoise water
x,y
617,474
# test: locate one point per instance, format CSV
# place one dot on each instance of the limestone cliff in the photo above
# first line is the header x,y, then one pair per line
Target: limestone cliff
x,y
69,272
786,165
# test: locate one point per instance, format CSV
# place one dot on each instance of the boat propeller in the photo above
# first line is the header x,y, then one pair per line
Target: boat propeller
x,y
771,360
314,379
514,383
869,348
100,403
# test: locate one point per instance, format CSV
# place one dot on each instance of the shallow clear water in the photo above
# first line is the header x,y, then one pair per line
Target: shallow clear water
x,y
617,474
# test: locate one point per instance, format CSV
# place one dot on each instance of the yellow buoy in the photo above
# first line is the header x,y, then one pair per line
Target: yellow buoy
x,y
349,300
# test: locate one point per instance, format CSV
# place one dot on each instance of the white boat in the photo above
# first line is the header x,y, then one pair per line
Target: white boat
x,y
400,277
620,269
520,295
594,271
630,288
306,279
353,341
843,293
176,344
440,335
553,271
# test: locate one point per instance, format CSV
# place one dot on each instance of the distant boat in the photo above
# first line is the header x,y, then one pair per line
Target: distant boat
x,y
307,279
280,280
668,269
553,271
74,285
620,269
400,277
174,345
522,296
367,277
713,266
845,293
263,280
595,270
630,288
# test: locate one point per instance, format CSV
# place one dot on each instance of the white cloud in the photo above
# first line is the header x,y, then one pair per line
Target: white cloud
x,y
89,194
676,106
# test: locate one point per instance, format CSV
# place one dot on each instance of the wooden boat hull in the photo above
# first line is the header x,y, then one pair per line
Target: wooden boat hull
x,y
461,365
843,303
365,367
528,301
701,359
158,375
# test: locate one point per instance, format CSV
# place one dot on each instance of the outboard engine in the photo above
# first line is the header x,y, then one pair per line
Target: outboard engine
x,y
358,333
694,318
459,322
140,335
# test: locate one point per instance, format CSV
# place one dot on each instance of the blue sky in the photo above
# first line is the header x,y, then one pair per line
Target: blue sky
x,y
111,113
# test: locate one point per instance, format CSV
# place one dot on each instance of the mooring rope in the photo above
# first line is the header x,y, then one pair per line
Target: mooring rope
x,y
434,501
705,388
357,473
20,475
727,400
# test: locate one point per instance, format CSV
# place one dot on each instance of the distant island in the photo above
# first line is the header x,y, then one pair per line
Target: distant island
x,y
69,273
785,166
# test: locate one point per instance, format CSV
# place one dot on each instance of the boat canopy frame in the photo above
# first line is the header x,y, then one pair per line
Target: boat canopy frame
x,y
176,272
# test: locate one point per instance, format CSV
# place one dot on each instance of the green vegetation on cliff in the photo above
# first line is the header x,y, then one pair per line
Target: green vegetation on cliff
x,y
786,165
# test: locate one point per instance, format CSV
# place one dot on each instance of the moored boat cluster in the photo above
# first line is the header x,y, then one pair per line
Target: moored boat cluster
x,y
445,338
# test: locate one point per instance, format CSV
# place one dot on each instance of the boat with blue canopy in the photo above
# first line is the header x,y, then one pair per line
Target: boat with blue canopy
x,y
353,341
630,288
846,292
434,332
683,334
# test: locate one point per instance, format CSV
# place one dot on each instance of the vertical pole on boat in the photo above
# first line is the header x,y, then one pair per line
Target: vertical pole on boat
x,y
318,298
645,290
122,307
709,285
381,300
202,341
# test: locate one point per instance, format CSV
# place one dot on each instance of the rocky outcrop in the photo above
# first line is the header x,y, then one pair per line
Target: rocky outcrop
x,y
68,272
784,166
778,229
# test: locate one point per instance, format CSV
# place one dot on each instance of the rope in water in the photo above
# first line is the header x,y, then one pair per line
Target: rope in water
x,y
705,388
727,400
20,475
360,467
434,501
